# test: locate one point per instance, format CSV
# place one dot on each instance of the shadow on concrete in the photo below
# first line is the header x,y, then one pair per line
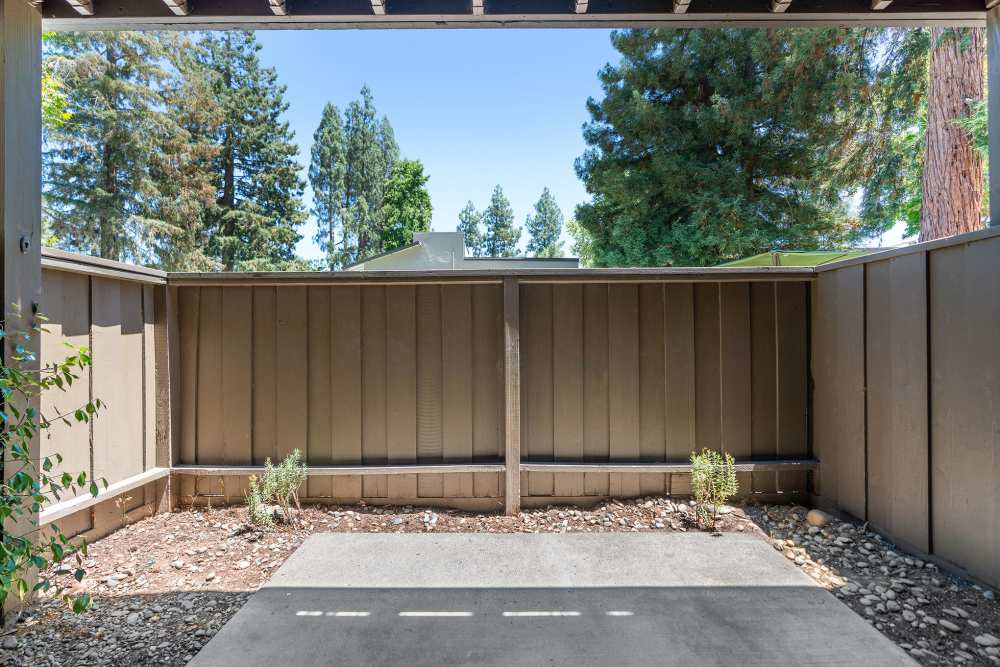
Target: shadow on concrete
x,y
672,625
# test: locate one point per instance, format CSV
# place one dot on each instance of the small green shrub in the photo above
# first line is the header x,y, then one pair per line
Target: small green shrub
x,y
278,486
713,482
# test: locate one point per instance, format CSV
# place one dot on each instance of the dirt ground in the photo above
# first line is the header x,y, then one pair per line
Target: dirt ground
x,y
165,585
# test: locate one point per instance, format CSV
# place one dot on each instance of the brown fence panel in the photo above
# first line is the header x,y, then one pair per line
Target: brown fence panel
x,y
650,371
907,434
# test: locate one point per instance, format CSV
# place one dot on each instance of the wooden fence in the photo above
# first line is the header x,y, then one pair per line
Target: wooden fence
x,y
111,309
364,373
906,364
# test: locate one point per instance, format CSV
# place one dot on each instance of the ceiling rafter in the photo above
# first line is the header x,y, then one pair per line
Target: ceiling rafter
x,y
378,7
278,7
178,7
82,7
681,6
780,5
477,7
582,6
879,5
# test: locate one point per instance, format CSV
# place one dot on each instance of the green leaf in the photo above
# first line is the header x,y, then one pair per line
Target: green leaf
x,y
93,489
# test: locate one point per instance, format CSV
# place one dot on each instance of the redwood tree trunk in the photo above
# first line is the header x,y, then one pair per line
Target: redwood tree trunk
x,y
953,171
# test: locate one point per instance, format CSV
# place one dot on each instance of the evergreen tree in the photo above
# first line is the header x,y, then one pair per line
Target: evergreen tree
x,y
469,220
258,189
545,227
97,185
407,206
502,235
716,144
371,155
327,172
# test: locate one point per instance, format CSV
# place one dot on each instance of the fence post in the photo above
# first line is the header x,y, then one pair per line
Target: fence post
x,y
512,396
993,104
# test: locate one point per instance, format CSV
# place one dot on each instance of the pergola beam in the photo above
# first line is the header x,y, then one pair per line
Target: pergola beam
x,y
581,6
681,6
178,7
879,5
378,7
278,7
779,6
477,8
82,7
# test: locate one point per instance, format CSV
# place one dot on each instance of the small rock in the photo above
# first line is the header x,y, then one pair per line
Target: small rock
x,y
948,625
987,640
817,518
10,643
133,619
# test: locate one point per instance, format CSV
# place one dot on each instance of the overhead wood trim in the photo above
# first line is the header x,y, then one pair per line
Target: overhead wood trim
x,y
742,465
581,6
780,5
879,5
82,7
681,6
278,7
478,8
73,505
178,7
378,7
59,260
333,471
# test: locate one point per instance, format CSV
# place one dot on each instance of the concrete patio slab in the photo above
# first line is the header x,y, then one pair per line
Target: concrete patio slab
x,y
574,599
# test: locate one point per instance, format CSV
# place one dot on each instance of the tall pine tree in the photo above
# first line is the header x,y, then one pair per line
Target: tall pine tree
x,y
502,235
327,176
545,226
469,223
98,186
258,189
372,153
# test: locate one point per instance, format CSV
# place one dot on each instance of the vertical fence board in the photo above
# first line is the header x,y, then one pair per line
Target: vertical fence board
x,y
319,444
346,405
708,373
487,373
764,383
652,385
965,400
265,373
456,355
237,379
189,301
373,394
735,356
536,383
567,373
793,355
210,438
679,358
596,445
401,387
67,305
148,377
430,407
292,338
623,384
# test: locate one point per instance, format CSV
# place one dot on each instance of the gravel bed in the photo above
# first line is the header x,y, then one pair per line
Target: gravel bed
x,y
165,585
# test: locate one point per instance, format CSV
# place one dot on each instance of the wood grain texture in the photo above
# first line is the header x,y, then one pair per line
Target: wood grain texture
x,y
536,387
708,371
430,400
735,359
652,385
679,332
623,384
346,352
567,390
373,408
792,375
292,370
319,444
401,387
512,396
487,385
596,433
265,374
764,382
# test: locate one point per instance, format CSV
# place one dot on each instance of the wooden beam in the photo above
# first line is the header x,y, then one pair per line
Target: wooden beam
x,y
20,204
742,465
74,505
82,7
879,5
278,7
681,6
478,8
780,5
990,4
178,7
512,395
993,105
378,7
581,6
336,471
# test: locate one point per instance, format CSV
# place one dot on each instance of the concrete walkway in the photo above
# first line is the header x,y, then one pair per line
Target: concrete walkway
x,y
574,599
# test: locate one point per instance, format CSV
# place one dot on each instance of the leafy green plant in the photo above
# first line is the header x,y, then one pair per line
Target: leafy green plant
x,y
30,483
713,482
279,485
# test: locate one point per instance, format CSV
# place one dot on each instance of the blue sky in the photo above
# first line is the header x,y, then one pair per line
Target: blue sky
x,y
477,107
